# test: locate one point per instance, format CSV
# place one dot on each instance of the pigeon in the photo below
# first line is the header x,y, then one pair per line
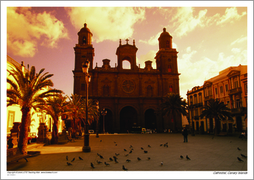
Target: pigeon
x,y
98,154
149,146
142,148
238,148
124,149
80,158
107,164
161,144
239,159
99,162
187,157
69,164
128,160
130,152
114,157
92,165
124,168
110,159
100,140
165,145
145,151
243,156
67,158
126,154
181,157
115,144
148,158
73,160
116,161
138,159
130,146
101,157
161,163
117,154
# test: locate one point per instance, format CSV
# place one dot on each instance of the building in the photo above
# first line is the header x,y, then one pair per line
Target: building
x,y
14,113
230,87
130,96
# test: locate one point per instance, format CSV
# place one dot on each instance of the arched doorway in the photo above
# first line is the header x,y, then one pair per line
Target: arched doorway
x,y
150,119
128,119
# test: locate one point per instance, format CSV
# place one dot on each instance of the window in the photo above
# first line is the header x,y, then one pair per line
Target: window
x,y
169,68
195,99
238,103
126,64
167,44
226,87
200,97
83,87
11,117
191,100
216,92
170,88
236,84
221,89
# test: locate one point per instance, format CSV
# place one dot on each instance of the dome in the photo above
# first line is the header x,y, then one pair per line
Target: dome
x,y
85,29
164,33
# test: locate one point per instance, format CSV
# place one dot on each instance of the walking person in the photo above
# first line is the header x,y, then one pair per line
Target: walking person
x,y
185,135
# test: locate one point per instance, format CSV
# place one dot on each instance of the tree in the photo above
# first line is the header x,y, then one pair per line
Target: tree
x,y
54,106
27,90
218,111
172,106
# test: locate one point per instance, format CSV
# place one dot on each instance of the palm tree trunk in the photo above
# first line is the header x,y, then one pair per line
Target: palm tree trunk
x,y
23,135
54,139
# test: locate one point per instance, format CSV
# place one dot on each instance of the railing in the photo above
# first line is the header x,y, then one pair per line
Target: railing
x,y
235,91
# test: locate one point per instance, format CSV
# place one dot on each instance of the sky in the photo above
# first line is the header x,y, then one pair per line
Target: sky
x,y
209,37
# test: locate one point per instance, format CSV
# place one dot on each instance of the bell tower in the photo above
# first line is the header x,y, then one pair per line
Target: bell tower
x,y
83,51
166,57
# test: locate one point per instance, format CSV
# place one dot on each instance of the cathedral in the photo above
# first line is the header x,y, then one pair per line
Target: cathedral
x,y
131,97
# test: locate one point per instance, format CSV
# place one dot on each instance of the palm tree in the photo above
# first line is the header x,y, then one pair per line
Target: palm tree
x,y
218,111
27,89
55,107
172,106
75,110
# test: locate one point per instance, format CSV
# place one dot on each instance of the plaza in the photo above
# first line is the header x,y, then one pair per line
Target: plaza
x,y
207,153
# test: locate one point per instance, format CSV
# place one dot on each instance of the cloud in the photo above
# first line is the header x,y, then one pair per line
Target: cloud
x,y
25,28
186,22
149,56
239,40
230,16
195,73
107,23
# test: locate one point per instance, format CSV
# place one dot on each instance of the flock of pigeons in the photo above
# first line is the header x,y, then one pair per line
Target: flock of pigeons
x,y
128,152
114,158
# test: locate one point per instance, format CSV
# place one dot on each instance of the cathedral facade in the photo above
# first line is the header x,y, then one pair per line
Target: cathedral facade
x,y
131,97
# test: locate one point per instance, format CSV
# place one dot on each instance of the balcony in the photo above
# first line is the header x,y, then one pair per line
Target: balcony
x,y
208,97
240,110
235,91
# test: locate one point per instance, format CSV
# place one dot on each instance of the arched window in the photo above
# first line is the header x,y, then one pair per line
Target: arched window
x,y
170,88
167,44
84,40
126,64
169,68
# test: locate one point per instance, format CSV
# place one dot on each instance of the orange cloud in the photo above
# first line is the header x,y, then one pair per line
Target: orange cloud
x,y
230,16
25,28
107,23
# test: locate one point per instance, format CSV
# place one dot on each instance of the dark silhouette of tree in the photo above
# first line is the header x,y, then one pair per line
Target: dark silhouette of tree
x,y
172,106
217,110
28,88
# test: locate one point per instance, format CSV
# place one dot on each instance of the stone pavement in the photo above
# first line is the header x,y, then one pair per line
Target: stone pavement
x,y
207,153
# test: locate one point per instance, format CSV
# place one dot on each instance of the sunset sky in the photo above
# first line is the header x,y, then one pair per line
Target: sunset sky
x,y
208,37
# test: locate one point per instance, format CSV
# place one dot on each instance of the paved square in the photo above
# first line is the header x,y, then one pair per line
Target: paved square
x,y
207,153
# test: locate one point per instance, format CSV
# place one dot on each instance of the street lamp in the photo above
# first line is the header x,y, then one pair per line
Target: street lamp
x,y
103,113
97,120
85,67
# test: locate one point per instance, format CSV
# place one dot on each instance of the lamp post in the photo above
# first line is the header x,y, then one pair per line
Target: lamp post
x,y
85,67
103,113
97,120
